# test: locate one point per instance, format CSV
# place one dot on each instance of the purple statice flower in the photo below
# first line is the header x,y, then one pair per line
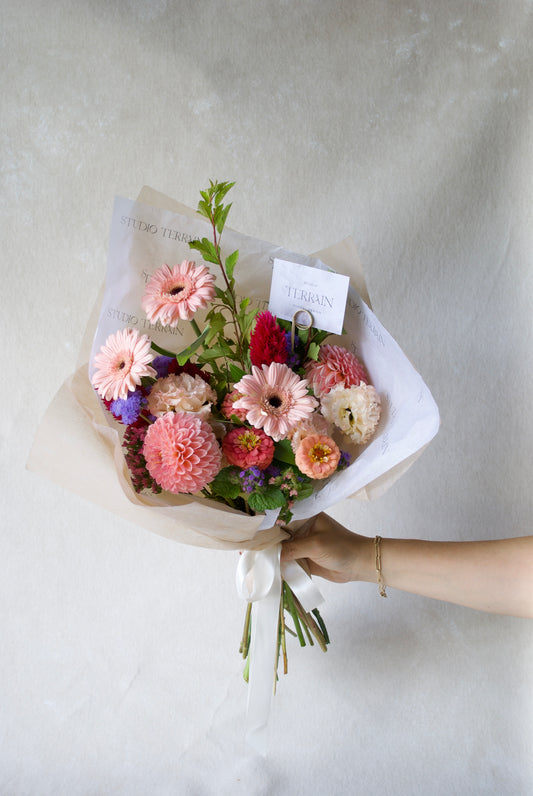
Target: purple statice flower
x,y
127,410
344,461
161,365
292,357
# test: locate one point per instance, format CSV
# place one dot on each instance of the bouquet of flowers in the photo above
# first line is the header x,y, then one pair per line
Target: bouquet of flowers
x,y
225,419
256,412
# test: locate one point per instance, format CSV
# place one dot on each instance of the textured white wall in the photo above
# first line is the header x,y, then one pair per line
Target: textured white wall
x,y
406,125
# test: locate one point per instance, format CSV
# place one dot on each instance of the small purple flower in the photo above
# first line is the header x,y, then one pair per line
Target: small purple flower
x,y
292,357
252,479
161,365
127,410
344,461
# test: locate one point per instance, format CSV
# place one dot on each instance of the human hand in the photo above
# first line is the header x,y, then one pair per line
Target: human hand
x,y
331,550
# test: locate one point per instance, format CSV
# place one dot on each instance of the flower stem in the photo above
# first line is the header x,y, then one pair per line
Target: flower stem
x,y
195,327
245,641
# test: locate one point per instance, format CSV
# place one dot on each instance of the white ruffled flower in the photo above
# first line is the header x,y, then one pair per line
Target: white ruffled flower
x,y
355,410
181,393
314,424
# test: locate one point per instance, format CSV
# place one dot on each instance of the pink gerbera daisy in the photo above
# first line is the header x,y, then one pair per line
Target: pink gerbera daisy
x,y
317,456
335,366
275,399
181,452
177,293
122,363
246,447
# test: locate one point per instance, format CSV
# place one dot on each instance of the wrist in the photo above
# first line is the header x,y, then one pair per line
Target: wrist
x,y
364,568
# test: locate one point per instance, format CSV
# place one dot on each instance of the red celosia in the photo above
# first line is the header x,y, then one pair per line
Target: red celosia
x,y
267,342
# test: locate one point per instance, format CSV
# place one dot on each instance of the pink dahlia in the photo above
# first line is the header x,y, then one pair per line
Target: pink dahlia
x,y
335,366
122,363
246,447
274,398
317,456
181,452
267,342
177,293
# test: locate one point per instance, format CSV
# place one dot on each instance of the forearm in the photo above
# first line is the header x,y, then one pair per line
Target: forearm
x,y
494,576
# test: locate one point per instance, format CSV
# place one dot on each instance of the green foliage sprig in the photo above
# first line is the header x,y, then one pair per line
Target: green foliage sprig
x,y
218,344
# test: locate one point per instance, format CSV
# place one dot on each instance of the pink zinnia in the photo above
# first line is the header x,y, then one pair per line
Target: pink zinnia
x,y
335,366
275,399
246,447
228,406
177,293
267,342
181,452
122,363
317,456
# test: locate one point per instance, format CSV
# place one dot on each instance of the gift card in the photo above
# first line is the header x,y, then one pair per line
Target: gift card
x,y
316,297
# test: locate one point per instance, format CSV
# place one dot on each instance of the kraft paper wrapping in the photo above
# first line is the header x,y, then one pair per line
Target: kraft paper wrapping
x,y
77,448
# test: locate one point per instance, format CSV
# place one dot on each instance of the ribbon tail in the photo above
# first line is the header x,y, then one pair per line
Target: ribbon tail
x,y
259,579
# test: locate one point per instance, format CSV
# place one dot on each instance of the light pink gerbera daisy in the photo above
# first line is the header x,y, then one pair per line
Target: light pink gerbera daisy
x,y
275,399
317,456
121,364
181,452
177,293
246,447
335,366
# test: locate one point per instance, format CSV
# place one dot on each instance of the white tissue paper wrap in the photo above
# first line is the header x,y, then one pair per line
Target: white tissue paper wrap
x,y
86,451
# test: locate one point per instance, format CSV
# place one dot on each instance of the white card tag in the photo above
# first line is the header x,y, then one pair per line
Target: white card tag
x,y
323,294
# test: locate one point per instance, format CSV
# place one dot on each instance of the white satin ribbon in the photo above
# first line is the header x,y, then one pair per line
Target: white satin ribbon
x,y
258,579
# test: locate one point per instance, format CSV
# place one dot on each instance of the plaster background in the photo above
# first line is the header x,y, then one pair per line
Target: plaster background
x,y
405,125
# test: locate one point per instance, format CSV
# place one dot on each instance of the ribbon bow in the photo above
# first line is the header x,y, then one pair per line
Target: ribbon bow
x,y
258,579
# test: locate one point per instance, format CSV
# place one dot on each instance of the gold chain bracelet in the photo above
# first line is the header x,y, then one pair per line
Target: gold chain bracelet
x,y
381,584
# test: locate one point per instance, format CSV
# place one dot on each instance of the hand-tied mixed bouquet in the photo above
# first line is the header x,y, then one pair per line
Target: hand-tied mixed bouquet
x,y
255,413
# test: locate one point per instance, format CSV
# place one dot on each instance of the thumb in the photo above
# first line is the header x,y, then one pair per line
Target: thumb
x,y
293,549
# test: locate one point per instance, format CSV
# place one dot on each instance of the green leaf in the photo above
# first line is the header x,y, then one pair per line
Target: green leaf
x,y
231,262
246,321
206,249
186,354
225,484
222,189
313,351
217,323
270,498
283,451
163,351
305,491
235,372
221,220
220,350
319,335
